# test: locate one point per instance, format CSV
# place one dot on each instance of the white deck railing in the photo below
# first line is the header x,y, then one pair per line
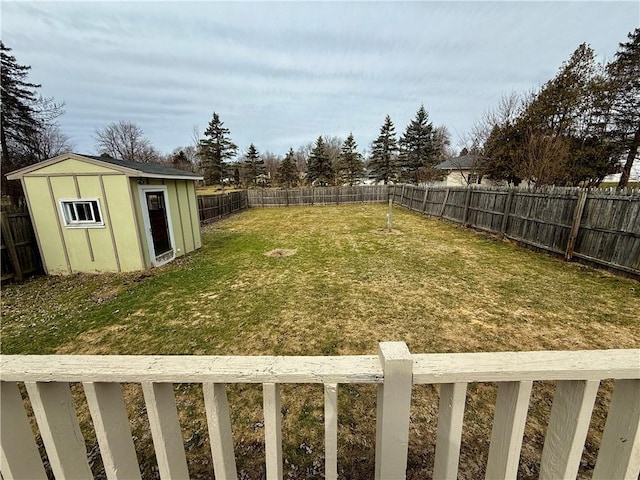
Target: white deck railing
x,y
394,370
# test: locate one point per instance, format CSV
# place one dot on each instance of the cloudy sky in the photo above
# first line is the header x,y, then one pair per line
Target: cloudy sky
x,y
281,73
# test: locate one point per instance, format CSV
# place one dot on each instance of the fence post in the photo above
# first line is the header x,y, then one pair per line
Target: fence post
x,y
11,247
424,200
286,193
444,203
467,199
393,405
573,236
507,210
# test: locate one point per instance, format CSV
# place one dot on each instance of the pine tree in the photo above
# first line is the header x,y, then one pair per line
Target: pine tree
x,y
624,75
418,149
214,149
319,169
18,119
180,161
288,172
350,165
253,165
383,164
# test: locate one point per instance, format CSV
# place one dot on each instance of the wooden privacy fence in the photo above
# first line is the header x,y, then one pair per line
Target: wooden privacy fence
x,y
20,254
395,370
213,207
317,196
595,225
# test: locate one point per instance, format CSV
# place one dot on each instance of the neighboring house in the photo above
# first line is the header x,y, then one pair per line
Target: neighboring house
x,y
99,214
462,171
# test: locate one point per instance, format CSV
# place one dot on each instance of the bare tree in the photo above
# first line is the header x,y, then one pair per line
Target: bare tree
x,y
333,148
302,158
545,159
506,112
50,141
271,164
126,141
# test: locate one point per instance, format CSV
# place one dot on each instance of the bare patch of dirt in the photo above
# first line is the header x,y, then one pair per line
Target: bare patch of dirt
x,y
106,293
281,252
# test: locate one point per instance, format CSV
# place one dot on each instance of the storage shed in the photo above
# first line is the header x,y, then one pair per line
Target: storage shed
x,y
99,214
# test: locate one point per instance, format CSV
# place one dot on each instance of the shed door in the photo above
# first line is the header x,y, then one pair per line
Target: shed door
x,y
157,218
159,222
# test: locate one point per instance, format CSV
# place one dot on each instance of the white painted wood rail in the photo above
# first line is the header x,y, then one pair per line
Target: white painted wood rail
x,y
395,370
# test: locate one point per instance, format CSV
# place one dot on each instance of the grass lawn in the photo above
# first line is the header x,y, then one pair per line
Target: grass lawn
x,y
348,285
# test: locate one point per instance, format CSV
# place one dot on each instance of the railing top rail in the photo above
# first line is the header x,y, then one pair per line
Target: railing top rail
x,y
190,369
518,366
427,368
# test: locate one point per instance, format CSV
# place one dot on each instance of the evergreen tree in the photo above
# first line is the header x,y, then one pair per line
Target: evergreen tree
x,y
28,132
180,161
214,149
383,164
319,169
561,134
18,118
288,172
350,164
253,165
564,142
418,149
624,76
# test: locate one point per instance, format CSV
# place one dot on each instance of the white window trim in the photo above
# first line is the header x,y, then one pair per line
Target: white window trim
x,y
80,224
164,258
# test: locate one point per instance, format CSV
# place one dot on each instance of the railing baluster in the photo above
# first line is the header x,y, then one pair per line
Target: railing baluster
x,y
619,455
570,416
272,430
509,421
331,431
393,408
450,419
112,428
165,430
220,435
19,457
56,416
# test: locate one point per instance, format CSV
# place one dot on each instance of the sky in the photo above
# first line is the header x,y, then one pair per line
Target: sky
x,y
279,74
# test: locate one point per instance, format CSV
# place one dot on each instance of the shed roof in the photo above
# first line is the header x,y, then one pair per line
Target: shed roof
x,y
463,162
131,169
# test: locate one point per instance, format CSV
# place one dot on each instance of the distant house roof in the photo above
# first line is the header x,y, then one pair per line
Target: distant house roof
x,y
463,162
132,169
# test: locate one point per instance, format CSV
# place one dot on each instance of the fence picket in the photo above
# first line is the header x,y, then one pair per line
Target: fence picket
x,y
570,416
112,430
450,419
272,430
56,416
19,458
619,455
330,431
219,424
508,428
165,430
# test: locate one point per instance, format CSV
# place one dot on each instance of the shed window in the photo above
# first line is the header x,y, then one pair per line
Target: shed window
x,y
81,213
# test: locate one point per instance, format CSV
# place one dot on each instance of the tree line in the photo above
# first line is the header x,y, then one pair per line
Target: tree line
x,y
579,127
329,160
